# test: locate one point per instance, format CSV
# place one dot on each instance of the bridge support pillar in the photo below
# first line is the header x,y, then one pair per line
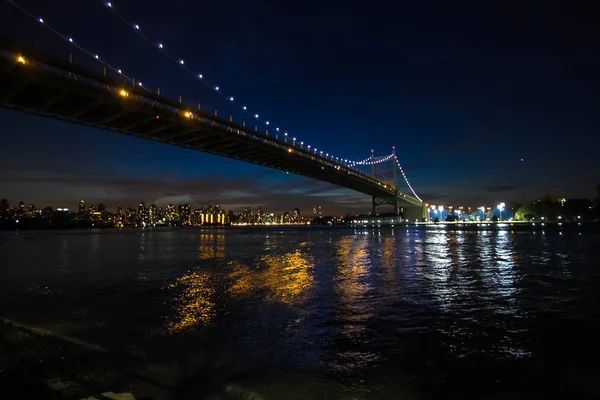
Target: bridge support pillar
x,y
413,214
374,207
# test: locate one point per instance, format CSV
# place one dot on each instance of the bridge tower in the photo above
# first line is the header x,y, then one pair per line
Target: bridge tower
x,y
394,201
374,204
372,163
396,208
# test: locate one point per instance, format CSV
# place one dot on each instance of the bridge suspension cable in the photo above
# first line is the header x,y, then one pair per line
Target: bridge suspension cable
x,y
73,43
405,178
160,46
370,161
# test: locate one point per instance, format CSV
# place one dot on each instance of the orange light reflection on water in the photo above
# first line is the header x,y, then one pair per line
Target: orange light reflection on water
x,y
194,304
285,278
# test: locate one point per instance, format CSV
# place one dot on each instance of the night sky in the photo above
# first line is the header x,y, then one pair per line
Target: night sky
x,y
465,91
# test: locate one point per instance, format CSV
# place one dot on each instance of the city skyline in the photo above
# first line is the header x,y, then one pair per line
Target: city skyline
x,y
474,113
142,214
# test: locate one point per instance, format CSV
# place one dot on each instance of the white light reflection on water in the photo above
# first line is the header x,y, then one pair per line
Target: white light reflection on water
x,y
438,266
482,293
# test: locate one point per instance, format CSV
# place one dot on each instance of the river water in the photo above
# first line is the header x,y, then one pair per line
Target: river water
x,y
289,313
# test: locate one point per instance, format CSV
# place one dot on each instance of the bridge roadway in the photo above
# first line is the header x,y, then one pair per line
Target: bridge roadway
x,y
45,85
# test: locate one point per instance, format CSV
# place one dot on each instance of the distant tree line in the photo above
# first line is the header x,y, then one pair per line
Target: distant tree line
x,y
551,208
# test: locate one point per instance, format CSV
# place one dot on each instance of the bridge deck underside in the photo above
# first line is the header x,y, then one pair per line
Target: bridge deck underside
x,y
82,97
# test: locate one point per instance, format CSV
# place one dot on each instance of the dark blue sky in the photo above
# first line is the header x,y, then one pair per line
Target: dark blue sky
x,y
463,90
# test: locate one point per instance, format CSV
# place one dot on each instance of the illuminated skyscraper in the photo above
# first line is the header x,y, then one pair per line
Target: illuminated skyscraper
x,y
196,217
81,207
31,210
119,220
184,214
296,215
153,214
170,213
142,213
130,217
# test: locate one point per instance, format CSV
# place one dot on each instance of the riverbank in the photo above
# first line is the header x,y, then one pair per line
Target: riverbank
x,y
38,363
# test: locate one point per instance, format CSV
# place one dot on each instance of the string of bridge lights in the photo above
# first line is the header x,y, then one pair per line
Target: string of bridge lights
x,y
160,46
73,43
370,161
405,178
95,56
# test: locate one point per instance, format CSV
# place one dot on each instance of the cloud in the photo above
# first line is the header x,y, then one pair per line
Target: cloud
x,y
275,192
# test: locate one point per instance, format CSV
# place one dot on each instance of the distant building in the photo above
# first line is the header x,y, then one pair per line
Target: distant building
x,y
184,214
31,211
296,215
130,217
170,213
4,208
47,213
153,214
142,213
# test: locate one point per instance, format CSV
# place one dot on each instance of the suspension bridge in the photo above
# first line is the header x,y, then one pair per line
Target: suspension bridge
x,y
54,86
